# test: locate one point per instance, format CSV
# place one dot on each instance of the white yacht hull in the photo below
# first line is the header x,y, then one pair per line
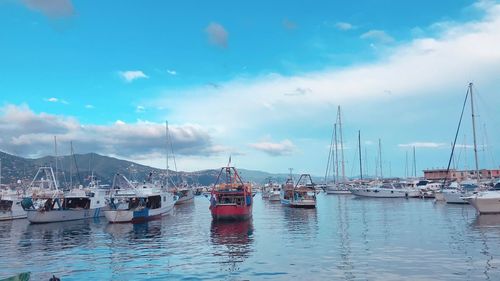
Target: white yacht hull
x,y
439,196
486,203
37,216
185,199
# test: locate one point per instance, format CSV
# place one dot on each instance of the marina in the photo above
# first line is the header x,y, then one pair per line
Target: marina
x,y
344,238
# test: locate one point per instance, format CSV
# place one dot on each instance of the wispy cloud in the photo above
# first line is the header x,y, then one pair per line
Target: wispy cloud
x,y
344,26
378,36
89,106
56,100
284,147
424,145
217,34
171,72
140,109
131,75
51,8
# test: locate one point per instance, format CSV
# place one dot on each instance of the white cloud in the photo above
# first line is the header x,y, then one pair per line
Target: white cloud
x,y
132,75
424,145
217,34
344,26
140,109
27,133
52,99
284,147
424,67
171,72
378,36
89,106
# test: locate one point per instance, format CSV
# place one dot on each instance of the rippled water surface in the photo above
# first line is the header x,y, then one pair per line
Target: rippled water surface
x,y
345,238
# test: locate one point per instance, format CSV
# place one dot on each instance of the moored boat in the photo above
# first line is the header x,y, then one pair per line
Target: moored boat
x,y
385,190
10,206
231,199
140,203
184,195
486,202
299,195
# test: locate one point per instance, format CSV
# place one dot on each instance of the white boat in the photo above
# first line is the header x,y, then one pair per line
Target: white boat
x,y
301,195
337,189
130,203
455,196
77,204
386,190
10,206
184,195
486,202
275,193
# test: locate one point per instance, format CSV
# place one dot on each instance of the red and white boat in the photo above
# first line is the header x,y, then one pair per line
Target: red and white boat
x,y
231,199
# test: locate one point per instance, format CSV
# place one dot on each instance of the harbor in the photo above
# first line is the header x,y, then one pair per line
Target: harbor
x,y
344,238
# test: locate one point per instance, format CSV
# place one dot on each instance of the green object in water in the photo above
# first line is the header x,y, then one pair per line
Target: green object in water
x,y
25,276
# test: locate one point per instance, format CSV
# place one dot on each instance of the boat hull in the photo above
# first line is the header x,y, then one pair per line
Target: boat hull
x,y
36,216
485,205
338,191
454,198
185,199
15,212
231,212
305,204
380,193
133,216
274,197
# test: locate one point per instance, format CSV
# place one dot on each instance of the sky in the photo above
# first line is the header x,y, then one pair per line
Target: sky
x,y
258,80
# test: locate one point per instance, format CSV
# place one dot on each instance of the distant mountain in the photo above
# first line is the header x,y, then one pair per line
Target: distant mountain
x,y
79,168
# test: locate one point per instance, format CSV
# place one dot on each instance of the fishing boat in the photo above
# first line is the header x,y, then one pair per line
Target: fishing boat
x,y
231,199
129,203
10,206
49,204
275,192
299,195
184,195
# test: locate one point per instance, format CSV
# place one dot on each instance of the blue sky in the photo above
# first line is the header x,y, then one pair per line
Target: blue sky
x,y
257,80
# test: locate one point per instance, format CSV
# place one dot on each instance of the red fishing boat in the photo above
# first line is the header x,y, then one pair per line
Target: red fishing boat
x,y
231,199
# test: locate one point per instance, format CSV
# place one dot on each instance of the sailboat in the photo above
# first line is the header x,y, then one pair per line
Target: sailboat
x,y
231,198
336,187
184,193
485,202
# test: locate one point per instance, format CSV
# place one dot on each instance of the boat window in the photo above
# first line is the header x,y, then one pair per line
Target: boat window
x,y
153,202
164,198
76,203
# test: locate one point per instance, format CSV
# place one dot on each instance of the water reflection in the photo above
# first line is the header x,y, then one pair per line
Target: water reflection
x,y
346,264
232,242
135,231
301,221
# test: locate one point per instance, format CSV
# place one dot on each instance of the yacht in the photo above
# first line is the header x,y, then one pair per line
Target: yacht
x,y
485,202
385,190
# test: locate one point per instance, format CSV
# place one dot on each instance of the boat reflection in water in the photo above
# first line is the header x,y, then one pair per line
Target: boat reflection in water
x,y
301,221
232,242
487,220
133,231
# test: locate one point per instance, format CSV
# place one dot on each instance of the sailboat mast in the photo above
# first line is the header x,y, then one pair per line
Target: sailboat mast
x,y
474,133
55,153
166,155
406,164
330,159
359,151
341,145
336,155
380,157
414,163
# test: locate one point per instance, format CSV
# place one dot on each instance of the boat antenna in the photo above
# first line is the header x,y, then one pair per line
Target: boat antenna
x,y
166,154
76,164
474,134
456,136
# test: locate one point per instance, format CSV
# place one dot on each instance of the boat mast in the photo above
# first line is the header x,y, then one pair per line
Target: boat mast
x,y
330,159
341,145
55,152
359,151
414,163
166,155
406,164
336,155
474,134
380,157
